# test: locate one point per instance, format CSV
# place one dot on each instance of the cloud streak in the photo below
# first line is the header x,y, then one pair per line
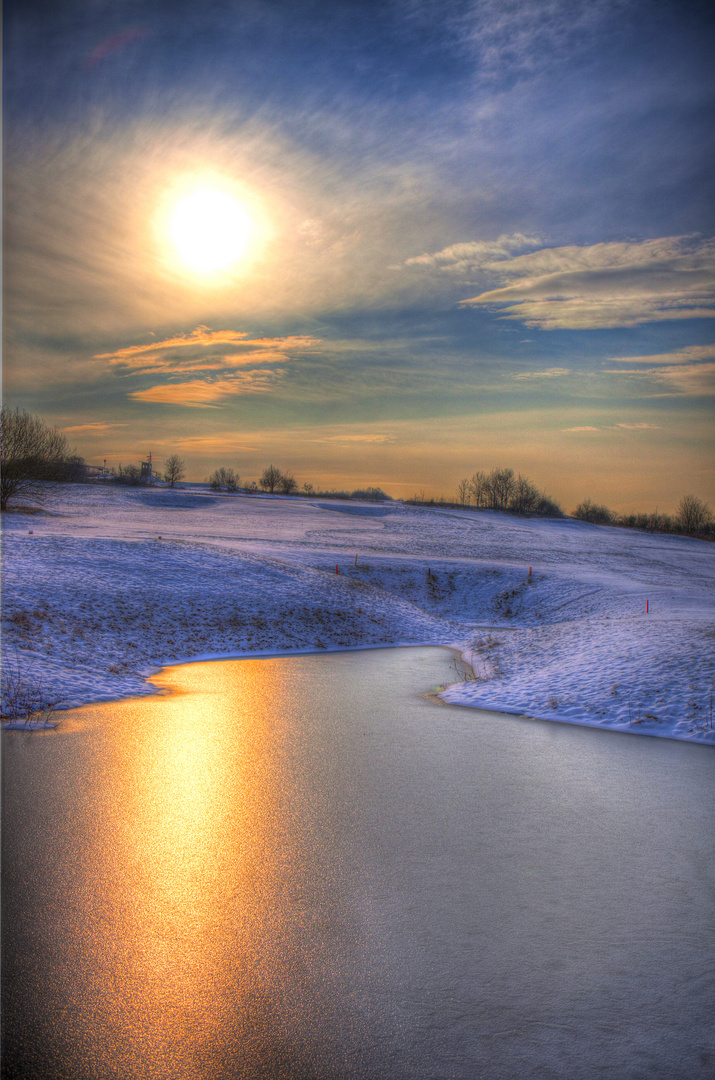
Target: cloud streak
x,y
676,379
550,373
474,255
203,336
377,440
91,429
687,355
606,285
689,370
208,393
615,427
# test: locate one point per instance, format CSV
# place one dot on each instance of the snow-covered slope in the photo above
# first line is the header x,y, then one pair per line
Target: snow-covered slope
x,y
108,585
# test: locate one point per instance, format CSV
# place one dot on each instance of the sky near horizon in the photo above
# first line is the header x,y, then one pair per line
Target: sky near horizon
x,y
383,243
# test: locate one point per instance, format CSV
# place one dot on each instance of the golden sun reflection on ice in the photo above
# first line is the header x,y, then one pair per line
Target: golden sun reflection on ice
x,y
205,870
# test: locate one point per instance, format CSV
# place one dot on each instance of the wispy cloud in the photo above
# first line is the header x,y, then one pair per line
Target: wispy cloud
x,y
200,336
550,373
688,379
690,370
203,336
688,355
206,393
606,285
170,356
226,442
524,37
89,429
169,364
366,438
474,255
637,427
616,427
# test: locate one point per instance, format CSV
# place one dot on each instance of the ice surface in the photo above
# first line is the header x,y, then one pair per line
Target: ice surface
x,y
111,584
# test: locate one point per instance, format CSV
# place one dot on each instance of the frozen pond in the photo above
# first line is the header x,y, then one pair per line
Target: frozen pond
x,y
301,868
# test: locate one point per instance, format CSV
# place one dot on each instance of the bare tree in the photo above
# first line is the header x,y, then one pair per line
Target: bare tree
x,y
500,486
693,515
463,489
31,454
478,488
525,496
224,480
174,469
270,479
287,484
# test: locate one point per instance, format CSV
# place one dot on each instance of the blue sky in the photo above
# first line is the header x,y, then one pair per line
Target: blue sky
x,y
480,233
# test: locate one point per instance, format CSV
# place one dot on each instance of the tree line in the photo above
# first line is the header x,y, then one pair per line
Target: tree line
x,y
502,489
34,455
693,517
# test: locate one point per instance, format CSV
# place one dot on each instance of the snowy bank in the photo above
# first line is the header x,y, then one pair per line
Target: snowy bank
x,y
109,585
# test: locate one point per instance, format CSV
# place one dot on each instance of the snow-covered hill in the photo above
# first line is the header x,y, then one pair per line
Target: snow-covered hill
x,y
109,584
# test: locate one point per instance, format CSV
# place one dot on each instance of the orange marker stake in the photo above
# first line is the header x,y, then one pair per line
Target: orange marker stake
x,y
647,605
336,569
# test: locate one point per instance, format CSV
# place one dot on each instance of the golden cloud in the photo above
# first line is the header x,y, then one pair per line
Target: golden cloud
x,y
203,337
229,361
204,393
200,336
89,429
381,439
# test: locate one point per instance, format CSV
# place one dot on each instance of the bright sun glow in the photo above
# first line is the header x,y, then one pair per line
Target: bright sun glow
x,y
210,230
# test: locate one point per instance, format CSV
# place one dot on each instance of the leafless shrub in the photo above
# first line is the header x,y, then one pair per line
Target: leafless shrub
x,y
463,673
22,693
593,513
21,620
224,480
486,644
32,455
128,476
693,515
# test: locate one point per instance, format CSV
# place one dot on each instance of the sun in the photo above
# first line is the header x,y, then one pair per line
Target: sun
x,y
210,229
